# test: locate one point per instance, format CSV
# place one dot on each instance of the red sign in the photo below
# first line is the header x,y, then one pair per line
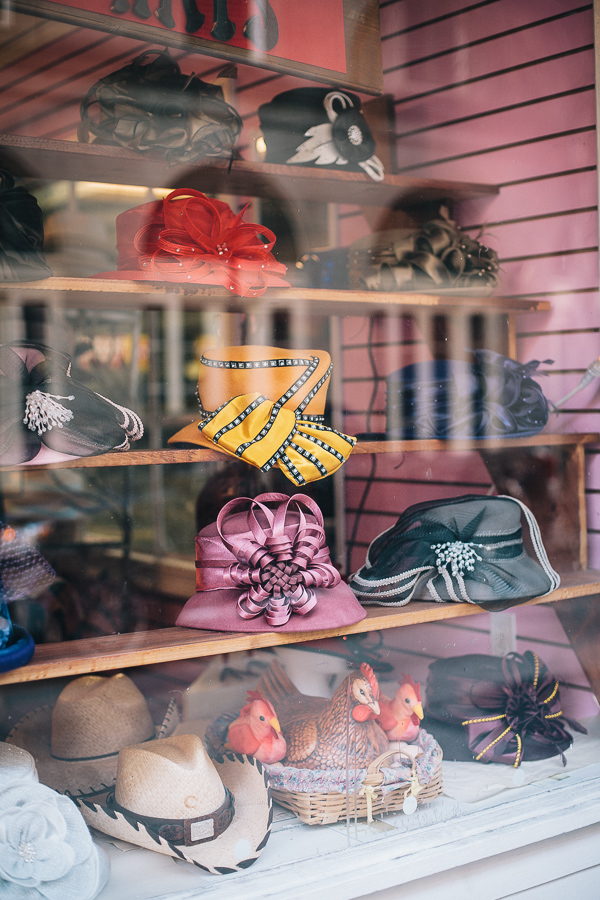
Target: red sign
x,y
310,32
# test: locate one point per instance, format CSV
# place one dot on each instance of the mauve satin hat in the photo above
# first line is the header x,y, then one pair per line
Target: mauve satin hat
x,y
264,565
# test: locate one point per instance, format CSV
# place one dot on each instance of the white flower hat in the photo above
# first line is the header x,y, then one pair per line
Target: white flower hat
x,y
46,849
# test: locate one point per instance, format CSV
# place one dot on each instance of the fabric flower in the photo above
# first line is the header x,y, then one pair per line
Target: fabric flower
x,y
198,238
46,850
283,564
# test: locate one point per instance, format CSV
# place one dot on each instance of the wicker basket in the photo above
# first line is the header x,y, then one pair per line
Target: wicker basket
x,y
369,801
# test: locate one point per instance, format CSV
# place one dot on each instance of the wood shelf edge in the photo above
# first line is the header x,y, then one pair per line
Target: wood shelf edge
x,y
157,293
167,456
70,160
167,644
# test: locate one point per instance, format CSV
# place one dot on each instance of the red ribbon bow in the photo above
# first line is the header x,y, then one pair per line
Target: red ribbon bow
x,y
201,239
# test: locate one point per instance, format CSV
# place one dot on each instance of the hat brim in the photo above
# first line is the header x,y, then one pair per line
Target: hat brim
x,y
77,778
191,434
271,280
216,610
236,848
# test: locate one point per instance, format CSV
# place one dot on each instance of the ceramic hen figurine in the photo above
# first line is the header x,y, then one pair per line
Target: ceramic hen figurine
x,y
328,734
256,731
401,717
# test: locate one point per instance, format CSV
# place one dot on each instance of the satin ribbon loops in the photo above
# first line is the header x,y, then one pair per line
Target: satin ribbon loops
x,y
203,237
527,703
279,568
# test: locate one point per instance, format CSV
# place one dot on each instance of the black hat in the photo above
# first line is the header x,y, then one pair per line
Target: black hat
x,y
321,127
43,408
21,233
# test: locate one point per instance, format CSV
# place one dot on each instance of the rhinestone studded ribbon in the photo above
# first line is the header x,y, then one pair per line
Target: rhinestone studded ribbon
x,y
265,433
281,557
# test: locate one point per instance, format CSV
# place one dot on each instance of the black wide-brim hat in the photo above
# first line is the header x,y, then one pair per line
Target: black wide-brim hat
x,y
46,415
319,126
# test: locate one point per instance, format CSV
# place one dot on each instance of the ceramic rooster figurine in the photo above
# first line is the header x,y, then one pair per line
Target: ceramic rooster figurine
x,y
256,731
401,717
328,734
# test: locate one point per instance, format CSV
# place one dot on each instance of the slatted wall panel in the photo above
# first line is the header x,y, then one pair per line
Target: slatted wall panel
x,y
503,92
42,89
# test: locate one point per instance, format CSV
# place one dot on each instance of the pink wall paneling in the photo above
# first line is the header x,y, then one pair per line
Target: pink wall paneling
x,y
542,236
542,197
515,161
568,310
522,123
593,498
569,353
351,228
362,396
408,78
475,23
386,329
481,98
388,358
449,466
549,274
593,550
358,422
394,495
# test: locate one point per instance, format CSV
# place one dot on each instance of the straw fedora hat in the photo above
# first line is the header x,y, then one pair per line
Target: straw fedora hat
x,y
172,798
76,743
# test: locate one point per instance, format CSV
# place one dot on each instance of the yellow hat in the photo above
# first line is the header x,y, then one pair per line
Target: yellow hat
x,y
265,405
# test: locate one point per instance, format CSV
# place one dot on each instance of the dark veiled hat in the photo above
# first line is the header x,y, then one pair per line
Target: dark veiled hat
x,y
47,416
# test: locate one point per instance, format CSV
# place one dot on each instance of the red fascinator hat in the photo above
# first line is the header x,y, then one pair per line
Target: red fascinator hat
x,y
263,566
189,238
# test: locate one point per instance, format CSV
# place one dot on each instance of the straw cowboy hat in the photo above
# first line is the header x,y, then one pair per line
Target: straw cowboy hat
x,y
172,798
76,743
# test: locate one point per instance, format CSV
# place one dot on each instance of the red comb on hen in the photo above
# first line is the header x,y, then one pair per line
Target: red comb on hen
x,y
408,679
369,674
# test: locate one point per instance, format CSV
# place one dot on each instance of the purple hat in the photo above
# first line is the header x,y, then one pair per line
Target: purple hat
x,y
264,565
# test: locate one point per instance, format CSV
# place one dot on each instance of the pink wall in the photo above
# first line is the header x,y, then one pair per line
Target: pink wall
x,y
502,93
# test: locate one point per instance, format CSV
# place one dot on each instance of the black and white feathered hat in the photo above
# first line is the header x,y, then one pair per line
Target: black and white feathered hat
x,y
319,127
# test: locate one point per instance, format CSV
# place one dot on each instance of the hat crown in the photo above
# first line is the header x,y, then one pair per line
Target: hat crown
x,y
271,371
172,779
96,716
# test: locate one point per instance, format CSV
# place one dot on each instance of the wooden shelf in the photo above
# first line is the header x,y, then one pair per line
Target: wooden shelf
x,y
167,644
51,160
111,293
201,455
